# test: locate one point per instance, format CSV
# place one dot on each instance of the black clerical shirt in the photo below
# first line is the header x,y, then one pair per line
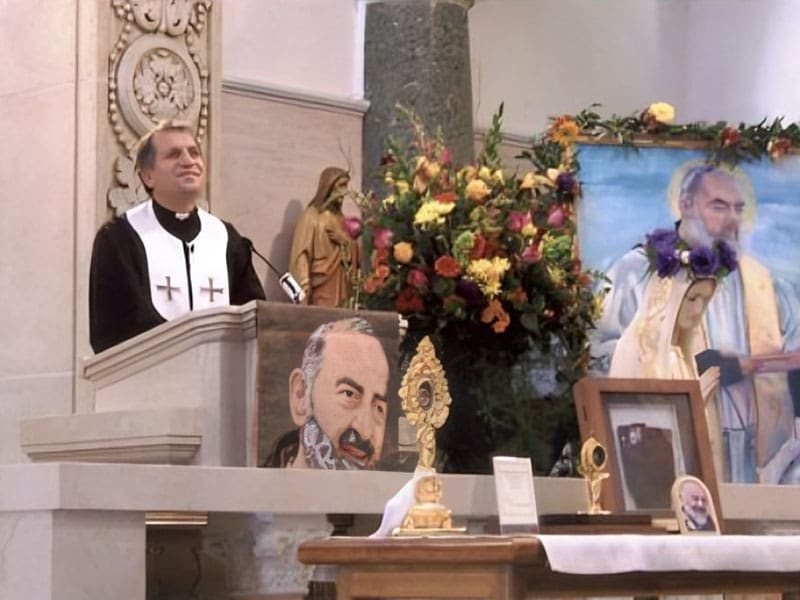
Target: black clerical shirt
x,y
120,305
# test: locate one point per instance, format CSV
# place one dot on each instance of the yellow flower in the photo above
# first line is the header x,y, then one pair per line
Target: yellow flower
x,y
488,274
498,176
528,181
467,173
401,187
529,230
388,201
388,180
433,212
477,190
485,173
552,174
403,252
662,112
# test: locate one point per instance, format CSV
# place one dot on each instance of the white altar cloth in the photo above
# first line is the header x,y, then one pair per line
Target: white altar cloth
x,y
599,554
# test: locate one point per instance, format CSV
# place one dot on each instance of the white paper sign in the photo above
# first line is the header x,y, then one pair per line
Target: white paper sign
x,y
516,502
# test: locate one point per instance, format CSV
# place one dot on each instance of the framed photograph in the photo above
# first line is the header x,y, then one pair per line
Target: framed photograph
x,y
694,507
654,431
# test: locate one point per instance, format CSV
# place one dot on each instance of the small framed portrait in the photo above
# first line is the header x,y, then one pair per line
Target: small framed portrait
x,y
654,431
694,507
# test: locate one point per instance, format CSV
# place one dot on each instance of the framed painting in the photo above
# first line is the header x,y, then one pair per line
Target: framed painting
x,y
326,389
754,314
654,431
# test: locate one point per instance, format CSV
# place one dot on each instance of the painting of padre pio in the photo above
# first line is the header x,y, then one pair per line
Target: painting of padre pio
x,y
751,326
327,388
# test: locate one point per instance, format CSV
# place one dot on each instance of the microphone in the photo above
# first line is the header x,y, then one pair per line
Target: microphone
x,y
288,283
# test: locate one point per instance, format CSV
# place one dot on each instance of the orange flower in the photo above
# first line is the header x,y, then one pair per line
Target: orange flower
x,y
447,266
403,252
564,130
382,271
477,190
496,315
777,147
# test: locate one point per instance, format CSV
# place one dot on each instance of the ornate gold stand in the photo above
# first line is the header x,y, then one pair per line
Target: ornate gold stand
x,y
426,400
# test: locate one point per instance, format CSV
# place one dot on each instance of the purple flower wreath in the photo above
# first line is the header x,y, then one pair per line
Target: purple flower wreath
x,y
667,253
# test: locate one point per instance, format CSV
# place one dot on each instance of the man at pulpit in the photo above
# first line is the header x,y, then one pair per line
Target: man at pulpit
x,y
338,401
166,256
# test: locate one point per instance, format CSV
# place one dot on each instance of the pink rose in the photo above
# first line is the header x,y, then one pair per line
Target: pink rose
x,y
383,237
352,225
518,219
556,217
417,279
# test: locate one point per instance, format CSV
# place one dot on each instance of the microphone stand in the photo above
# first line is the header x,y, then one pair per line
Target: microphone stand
x,y
288,283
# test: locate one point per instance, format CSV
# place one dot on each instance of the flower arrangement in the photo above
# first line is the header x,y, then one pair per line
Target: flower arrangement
x,y
484,260
668,253
475,245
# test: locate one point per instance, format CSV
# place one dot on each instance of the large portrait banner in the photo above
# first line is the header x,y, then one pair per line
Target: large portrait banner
x,y
751,323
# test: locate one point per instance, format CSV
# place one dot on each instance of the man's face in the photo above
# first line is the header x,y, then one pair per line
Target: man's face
x,y
718,204
695,503
178,168
348,397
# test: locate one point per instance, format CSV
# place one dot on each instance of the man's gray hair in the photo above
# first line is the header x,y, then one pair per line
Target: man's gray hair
x,y
145,149
315,346
694,178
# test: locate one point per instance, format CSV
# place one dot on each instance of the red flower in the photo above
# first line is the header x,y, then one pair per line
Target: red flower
x,y
447,266
408,301
478,247
730,136
449,196
381,255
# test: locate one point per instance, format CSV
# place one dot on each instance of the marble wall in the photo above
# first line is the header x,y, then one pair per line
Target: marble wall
x,y
38,93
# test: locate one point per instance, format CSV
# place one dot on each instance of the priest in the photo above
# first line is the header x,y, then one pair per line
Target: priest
x,y
166,256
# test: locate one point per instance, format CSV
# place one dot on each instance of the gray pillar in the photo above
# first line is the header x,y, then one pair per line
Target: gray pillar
x,y
416,52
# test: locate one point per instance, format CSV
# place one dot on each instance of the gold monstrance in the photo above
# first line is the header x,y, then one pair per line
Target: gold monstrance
x,y
593,462
426,400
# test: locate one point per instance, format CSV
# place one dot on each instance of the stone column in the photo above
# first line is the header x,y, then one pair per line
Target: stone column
x,y
416,53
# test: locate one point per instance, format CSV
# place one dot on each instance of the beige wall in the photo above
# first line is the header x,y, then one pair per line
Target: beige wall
x,y
275,143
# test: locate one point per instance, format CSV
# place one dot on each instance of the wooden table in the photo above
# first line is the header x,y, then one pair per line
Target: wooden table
x,y
501,567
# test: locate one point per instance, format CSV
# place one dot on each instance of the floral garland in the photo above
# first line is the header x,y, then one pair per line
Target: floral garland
x,y
727,144
668,253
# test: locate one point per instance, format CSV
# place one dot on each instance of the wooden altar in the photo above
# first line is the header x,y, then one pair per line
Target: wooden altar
x,y
499,567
